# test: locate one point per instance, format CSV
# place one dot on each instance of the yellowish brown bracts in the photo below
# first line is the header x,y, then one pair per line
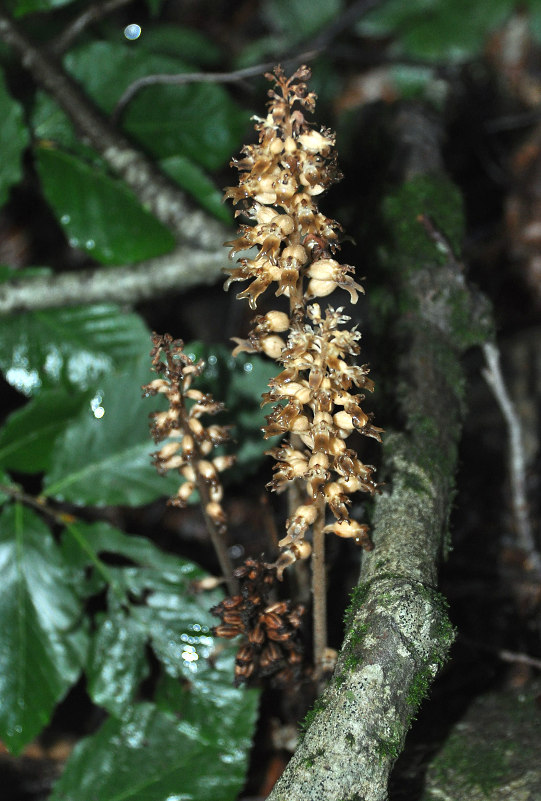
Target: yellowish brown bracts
x,y
317,396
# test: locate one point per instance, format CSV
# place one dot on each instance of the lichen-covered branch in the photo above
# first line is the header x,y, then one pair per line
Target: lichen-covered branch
x,y
183,268
397,630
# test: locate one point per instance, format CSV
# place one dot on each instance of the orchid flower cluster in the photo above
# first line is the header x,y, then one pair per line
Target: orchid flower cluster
x,y
316,400
188,443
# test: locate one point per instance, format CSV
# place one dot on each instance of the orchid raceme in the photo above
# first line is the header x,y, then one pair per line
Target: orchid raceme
x,y
316,394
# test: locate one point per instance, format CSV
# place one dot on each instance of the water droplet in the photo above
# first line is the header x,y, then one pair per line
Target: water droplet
x,y
65,219
99,411
74,242
132,31
90,244
248,367
212,359
236,551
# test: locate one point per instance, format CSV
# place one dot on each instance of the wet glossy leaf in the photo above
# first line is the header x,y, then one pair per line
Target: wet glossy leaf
x,y
71,347
152,601
98,213
44,641
105,459
154,757
117,662
13,141
28,435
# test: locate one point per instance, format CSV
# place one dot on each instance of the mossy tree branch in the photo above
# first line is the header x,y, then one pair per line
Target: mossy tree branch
x,y
397,630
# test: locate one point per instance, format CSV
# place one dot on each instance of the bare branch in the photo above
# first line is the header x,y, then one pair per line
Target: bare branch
x,y
517,464
183,268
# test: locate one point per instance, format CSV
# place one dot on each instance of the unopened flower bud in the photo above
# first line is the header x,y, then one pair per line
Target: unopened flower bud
x,y
285,223
343,420
272,346
300,423
223,462
215,512
185,490
168,450
188,446
320,289
158,385
216,493
206,470
276,321
173,463
196,426
276,146
188,472
296,252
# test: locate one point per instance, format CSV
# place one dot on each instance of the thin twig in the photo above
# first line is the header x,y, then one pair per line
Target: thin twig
x,y
517,466
73,29
39,504
180,79
319,592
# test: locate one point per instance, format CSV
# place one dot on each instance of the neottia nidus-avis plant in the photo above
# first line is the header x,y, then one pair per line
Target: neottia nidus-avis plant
x,y
317,394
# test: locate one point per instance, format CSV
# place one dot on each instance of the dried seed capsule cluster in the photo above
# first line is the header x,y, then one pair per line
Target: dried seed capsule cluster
x,y
272,647
315,396
189,444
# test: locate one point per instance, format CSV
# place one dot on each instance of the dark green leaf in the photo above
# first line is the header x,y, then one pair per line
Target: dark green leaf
x,y
28,436
13,140
153,757
6,481
197,121
172,40
298,19
154,6
166,612
71,347
99,214
117,663
437,29
191,177
104,459
21,7
43,640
